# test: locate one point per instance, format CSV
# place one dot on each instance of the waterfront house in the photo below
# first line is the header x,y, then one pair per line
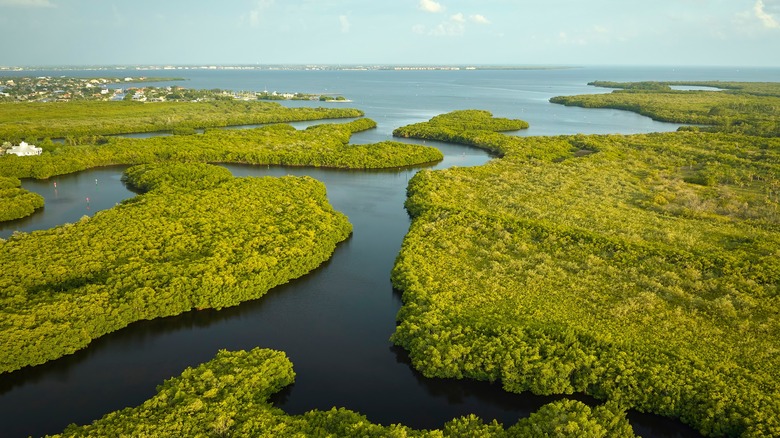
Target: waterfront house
x,y
24,149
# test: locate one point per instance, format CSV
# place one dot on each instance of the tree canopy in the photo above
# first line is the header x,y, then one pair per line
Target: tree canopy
x,y
16,202
197,239
39,120
228,396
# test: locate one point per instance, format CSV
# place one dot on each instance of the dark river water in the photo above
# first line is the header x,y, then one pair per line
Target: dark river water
x,y
333,323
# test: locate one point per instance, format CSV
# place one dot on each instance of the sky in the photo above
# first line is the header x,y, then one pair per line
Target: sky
x,y
390,32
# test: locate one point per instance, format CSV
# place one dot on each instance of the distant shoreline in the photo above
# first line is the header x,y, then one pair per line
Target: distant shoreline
x,y
309,67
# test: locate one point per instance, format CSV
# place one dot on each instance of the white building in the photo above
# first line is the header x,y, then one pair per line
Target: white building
x,y
24,149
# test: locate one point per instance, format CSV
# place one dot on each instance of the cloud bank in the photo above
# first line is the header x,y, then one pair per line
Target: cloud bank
x,y
766,19
479,19
431,6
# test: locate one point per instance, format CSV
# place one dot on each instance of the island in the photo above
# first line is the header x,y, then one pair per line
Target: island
x,y
639,269
742,107
196,238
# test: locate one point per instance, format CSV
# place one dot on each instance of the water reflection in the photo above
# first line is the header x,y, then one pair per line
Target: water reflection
x,y
70,197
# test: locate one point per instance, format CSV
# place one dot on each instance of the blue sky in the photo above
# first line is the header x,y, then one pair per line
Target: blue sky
x,y
459,32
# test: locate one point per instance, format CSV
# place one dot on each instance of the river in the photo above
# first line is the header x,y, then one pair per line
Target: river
x,y
335,322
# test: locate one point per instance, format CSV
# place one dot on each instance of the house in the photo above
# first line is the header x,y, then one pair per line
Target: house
x,y
24,149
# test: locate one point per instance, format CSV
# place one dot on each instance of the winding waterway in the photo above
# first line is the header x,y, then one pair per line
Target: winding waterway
x,y
335,322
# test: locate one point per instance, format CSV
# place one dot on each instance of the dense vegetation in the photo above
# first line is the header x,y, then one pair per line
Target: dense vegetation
x,y
174,176
742,107
324,145
34,120
228,396
641,269
16,202
459,126
181,246
752,88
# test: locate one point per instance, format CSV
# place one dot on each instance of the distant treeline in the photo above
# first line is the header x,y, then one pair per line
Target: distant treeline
x,y
318,146
742,107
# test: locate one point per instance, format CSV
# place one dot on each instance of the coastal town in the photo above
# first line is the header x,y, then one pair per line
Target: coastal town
x,y
62,89
140,89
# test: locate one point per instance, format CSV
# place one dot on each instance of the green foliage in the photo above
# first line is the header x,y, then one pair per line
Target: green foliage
x,y
218,398
570,418
460,127
228,396
175,176
642,269
742,107
16,202
324,145
35,120
643,86
751,88
181,246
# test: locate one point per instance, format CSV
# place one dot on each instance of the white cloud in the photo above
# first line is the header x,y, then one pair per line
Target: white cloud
x,y
344,21
455,26
450,28
256,14
766,19
431,6
479,19
28,3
